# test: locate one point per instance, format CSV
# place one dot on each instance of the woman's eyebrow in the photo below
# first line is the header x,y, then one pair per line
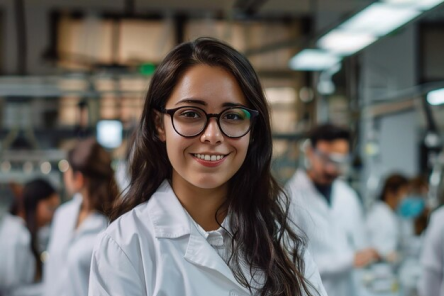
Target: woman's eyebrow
x,y
232,104
203,103
192,101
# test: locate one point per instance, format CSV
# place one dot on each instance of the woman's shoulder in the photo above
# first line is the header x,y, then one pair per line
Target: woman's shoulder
x,y
69,206
438,216
133,224
380,210
14,230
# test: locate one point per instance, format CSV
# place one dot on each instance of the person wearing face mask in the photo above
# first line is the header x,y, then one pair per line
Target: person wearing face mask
x,y
331,213
382,219
413,217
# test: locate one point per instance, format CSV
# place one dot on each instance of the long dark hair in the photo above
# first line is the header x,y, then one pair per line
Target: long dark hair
x,y
261,230
94,162
34,192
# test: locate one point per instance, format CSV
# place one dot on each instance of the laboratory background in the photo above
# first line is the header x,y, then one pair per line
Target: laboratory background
x,y
76,71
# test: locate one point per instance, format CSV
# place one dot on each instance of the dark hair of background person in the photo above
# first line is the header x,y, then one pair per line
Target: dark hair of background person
x,y
261,231
393,183
94,163
16,207
328,132
34,192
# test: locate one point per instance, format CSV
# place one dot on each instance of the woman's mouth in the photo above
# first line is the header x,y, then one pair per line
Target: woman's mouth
x,y
208,157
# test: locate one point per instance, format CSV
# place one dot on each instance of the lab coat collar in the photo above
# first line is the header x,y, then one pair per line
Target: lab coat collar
x,y
93,223
170,221
304,183
167,214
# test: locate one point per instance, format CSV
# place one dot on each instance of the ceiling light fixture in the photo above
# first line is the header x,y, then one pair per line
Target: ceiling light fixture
x,y
313,60
436,97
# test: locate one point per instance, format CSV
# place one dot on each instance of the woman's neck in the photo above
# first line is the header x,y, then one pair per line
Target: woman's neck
x,y
201,204
85,208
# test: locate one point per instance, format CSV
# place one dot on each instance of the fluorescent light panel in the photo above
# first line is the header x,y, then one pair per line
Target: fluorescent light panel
x,y
417,4
380,19
345,43
313,60
436,97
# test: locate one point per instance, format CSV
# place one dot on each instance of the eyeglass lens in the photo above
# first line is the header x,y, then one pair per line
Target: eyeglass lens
x,y
189,121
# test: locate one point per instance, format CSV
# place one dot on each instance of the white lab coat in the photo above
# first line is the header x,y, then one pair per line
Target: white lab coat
x,y
66,271
431,282
383,228
334,232
156,249
17,264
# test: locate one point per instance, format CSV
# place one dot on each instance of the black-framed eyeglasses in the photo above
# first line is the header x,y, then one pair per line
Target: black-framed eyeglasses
x,y
190,121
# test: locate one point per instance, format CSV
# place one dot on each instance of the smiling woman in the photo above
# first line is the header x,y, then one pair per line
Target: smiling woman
x,y
203,214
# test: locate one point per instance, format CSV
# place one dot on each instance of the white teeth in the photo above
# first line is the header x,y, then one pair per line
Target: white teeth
x,y
209,157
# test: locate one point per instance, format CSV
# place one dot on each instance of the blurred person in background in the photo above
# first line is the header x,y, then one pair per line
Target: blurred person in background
x,y
16,207
331,214
78,222
414,214
37,205
15,254
40,200
418,193
382,221
431,282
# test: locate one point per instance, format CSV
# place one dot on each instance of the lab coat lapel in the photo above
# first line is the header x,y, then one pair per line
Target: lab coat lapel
x,y
171,221
305,185
200,252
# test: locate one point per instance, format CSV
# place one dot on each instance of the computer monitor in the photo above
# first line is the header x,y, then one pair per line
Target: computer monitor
x,y
109,133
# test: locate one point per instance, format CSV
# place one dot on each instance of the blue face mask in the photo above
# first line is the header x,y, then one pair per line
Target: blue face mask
x,y
411,207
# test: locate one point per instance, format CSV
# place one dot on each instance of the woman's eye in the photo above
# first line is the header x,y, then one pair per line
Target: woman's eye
x,y
233,116
190,114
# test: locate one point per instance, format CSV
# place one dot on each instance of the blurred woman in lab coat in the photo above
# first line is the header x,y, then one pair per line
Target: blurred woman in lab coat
x,y
382,220
38,202
78,222
203,214
15,255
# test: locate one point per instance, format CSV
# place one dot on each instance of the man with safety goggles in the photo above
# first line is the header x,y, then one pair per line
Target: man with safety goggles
x,y
329,211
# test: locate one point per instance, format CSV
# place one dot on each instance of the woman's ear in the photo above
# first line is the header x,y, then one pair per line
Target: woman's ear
x,y
160,128
79,180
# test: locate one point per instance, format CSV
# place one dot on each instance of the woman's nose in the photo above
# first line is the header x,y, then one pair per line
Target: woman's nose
x,y
212,133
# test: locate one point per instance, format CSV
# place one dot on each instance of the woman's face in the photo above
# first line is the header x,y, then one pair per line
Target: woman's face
x,y
72,181
46,208
212,89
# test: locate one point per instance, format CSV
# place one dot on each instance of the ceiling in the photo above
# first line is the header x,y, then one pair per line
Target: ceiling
x,y
261,7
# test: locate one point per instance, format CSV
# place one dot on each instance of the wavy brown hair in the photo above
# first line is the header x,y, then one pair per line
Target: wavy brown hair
x,y
263,235
94,163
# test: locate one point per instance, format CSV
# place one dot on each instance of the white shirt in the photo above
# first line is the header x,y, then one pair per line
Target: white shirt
x,y
383,228
66,271
17,264
432,258
334,232
157,249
